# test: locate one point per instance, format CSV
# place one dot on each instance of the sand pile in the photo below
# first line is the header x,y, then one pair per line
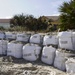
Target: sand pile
x,y
13,66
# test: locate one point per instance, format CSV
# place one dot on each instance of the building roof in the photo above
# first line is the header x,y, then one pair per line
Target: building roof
x,y
55,18
4,20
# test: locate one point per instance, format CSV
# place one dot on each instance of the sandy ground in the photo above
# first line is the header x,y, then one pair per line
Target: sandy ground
x,y
13,66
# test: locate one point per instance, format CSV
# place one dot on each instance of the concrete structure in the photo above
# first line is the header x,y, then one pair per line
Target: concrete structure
x,y
5,23
55,19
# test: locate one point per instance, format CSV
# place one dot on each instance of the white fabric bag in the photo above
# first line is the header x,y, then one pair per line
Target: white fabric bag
x,y
15,49
48,55
65,40
3,47
10,35
23,37
70,66
60,59
36,38
50,40
2,35
31,52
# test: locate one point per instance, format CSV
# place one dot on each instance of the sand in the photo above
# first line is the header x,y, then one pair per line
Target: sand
x,y
12,66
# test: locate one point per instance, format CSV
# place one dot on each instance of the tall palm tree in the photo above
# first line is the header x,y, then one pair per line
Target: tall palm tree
x,y
67,17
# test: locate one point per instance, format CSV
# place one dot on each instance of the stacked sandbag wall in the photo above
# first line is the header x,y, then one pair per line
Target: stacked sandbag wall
x,y
35,46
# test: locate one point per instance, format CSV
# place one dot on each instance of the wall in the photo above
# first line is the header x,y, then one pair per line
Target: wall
x,y
5,25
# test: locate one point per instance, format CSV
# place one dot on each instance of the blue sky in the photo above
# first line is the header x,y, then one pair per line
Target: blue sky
x,y
9,8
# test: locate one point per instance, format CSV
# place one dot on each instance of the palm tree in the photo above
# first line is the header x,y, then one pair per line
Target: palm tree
x,y
67,17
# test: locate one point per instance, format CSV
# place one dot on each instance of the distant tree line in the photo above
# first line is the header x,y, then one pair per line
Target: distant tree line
x,y
29,22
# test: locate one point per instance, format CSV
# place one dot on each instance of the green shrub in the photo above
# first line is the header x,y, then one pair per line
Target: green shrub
x,y
2,28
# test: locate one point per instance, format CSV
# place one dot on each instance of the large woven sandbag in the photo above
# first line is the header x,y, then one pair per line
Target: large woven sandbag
x,y
65,40
70,65
2,35
50,40
36,38
60,59
15,49
3,47
31,52
23,37
10,36
48,55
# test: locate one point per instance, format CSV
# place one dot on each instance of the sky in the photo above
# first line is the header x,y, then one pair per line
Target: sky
x,y
9,8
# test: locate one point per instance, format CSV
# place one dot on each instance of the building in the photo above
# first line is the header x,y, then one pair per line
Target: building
x,y
54,18
53,22
5,23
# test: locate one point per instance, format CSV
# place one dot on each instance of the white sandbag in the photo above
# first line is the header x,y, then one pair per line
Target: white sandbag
x,y
36,38
48,55
31,52
23,37
10,35
73,39
50,40
15,49
65,40
2,35
3,47
60,59
60,63
70,65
